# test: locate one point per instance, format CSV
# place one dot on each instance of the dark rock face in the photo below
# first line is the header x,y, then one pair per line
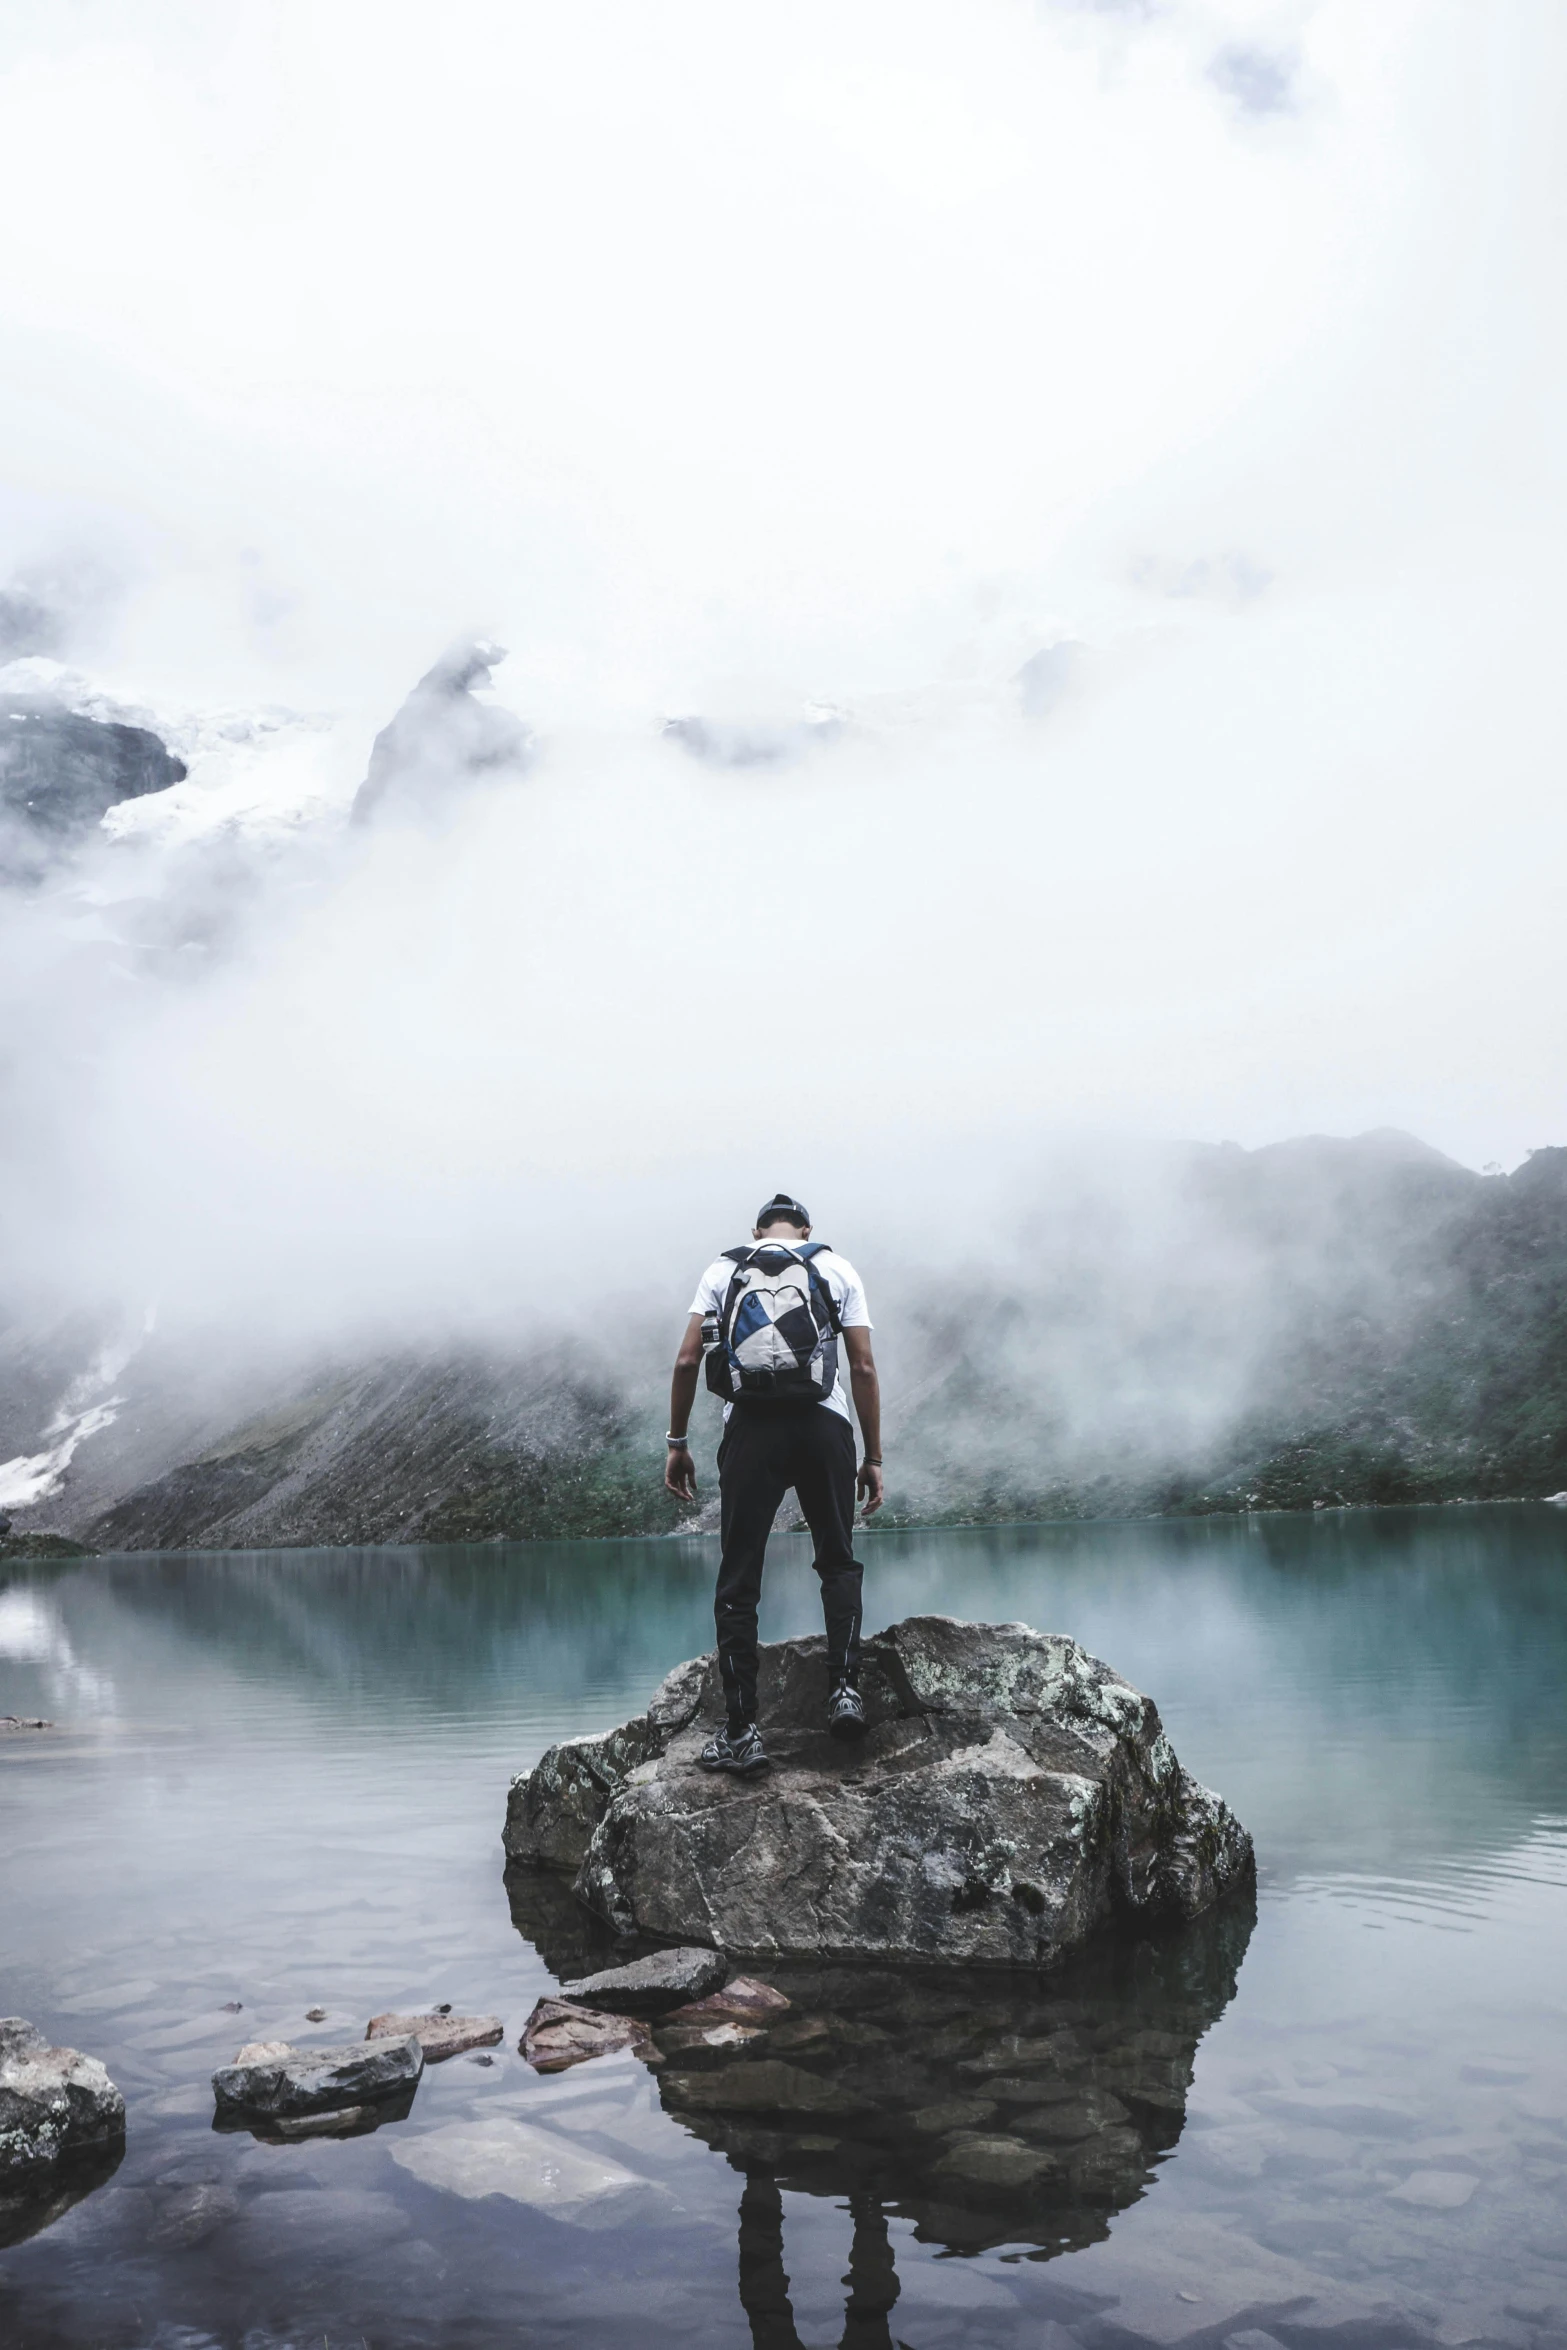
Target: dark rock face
x,y
650,1986
60,774
1012,1795
272,2078
441,738
54,2103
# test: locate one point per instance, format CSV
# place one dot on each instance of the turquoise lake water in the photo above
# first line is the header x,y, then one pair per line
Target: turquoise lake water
x,y
279,1779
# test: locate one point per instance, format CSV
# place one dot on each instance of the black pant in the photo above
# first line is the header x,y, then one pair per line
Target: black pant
x,y
767,1448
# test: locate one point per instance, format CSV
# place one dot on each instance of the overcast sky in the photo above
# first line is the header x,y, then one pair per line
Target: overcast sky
x,y
1205,354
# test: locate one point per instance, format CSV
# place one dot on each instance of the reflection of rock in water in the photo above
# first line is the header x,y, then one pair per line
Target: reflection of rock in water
x,y
569,1939
32,2201
985,2111
338,2121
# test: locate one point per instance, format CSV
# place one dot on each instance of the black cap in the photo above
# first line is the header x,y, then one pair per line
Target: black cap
x,y
781,1207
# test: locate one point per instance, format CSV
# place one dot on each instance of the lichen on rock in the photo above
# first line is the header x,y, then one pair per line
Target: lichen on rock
x,y
55,2103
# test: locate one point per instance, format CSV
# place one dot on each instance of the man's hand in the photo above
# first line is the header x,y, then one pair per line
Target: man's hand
x,y
679,1467
868,1486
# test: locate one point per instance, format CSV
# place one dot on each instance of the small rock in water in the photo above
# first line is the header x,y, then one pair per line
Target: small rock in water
x,y
23,1722
439,2033
489,2060
744,2001
315,2015
650,1986
273,2078
444,2007
54,2102
558,2034
233,2006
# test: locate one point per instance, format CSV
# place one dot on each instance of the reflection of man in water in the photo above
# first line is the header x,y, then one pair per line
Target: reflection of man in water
x,y
764,2286
768,1319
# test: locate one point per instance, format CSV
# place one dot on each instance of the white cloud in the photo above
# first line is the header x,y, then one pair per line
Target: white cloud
x,y
868,352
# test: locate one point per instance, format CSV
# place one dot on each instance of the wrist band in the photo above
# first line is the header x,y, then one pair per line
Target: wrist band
x,y
683,1441
870,1463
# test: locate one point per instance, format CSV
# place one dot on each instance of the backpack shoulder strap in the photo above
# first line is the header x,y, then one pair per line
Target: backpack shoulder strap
x,y
823,1289
740,1258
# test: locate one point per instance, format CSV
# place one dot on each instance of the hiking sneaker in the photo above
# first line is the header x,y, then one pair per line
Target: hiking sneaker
x,y
734,1750
846,1712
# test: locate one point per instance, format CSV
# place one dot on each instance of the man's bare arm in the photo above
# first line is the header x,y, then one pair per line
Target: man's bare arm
x,y
867,1403
679,1468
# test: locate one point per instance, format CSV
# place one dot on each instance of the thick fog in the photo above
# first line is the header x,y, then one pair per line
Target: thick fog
x,y
1028,542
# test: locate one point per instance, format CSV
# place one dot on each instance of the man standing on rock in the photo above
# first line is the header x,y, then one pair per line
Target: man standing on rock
x,y
767,1320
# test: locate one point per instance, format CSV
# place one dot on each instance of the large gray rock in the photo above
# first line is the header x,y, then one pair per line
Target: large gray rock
x,y
1012,1794
271,2077
54,2102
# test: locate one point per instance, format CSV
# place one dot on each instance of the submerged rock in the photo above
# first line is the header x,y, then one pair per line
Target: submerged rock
x,y
649,1986
273,2078
190,2214
535,2167
55,2103
559,2034
440,2033
1012,1794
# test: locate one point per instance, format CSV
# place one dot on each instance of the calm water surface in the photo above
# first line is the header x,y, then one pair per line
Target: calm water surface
x,y
279,1779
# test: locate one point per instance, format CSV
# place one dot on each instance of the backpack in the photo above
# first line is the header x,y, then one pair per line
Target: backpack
x,y
776,1339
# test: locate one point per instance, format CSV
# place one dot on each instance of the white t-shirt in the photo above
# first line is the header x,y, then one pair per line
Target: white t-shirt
x,y
844,1284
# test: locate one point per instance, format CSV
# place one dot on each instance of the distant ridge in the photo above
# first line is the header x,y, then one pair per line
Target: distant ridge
x,y
1324,1321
